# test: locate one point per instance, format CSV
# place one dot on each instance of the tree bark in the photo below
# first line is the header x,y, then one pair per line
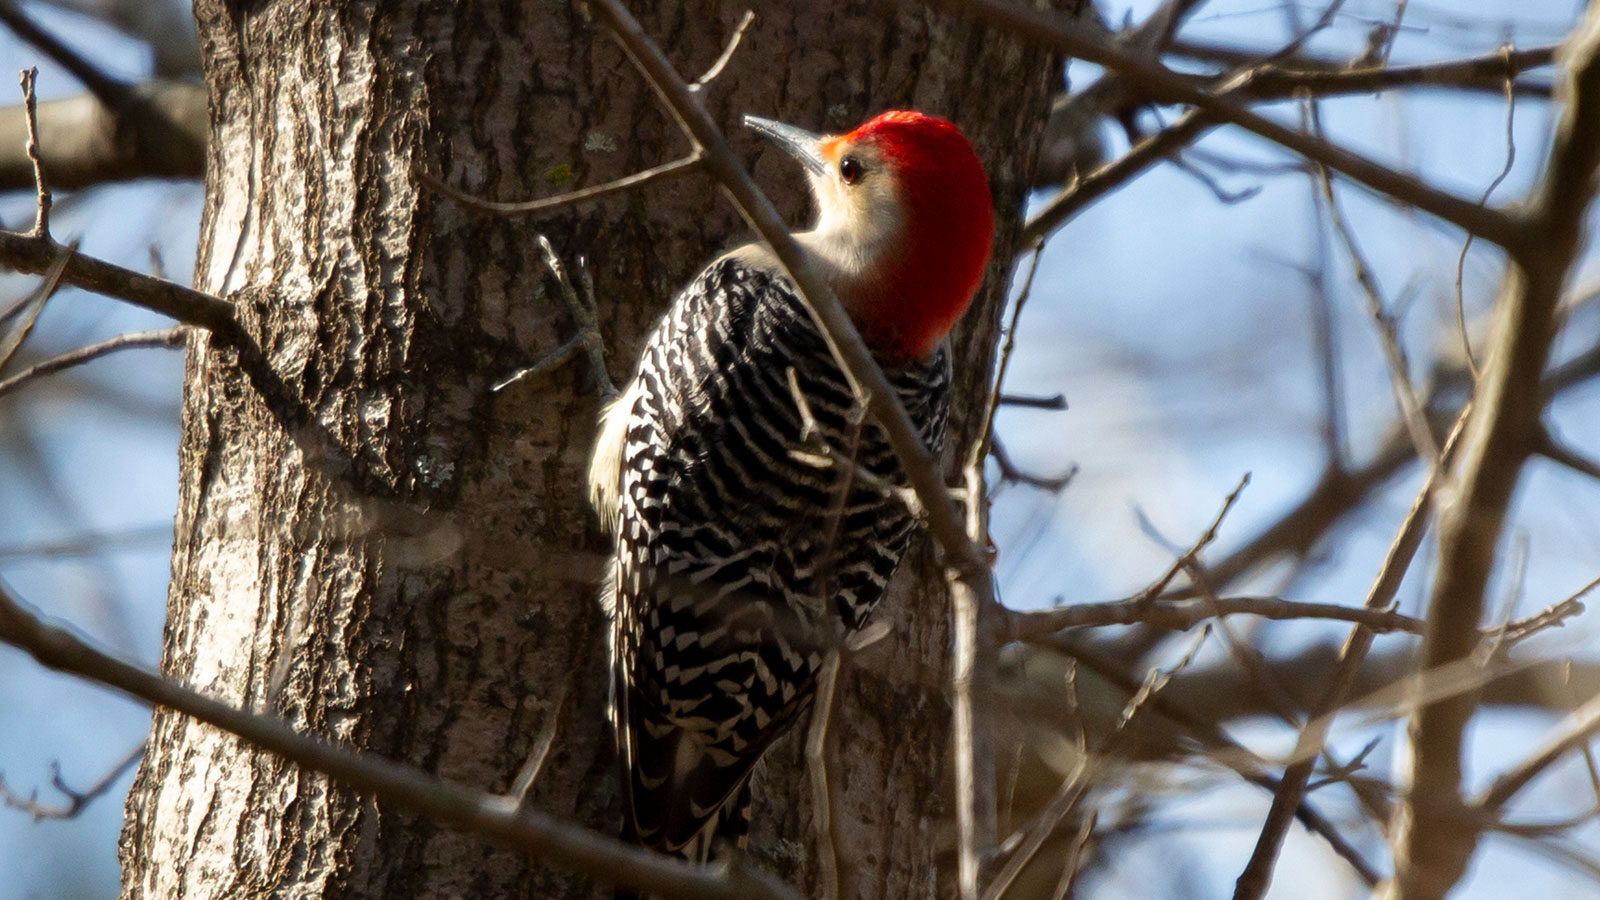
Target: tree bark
x,y
385,551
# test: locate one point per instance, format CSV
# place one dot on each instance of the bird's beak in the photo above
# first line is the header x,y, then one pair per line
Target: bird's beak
x,y
800,143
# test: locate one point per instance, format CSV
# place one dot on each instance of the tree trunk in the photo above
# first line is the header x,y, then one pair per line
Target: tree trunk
x,y
384,550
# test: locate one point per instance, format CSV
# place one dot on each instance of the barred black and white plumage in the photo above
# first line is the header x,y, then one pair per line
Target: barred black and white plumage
x,y
746,547
740,555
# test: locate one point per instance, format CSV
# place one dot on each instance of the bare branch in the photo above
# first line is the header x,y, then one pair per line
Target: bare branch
x,y
145,127
1383,321
1333,431
980,444
1259,80
1102,181
1054,401
1181,615
1166,86
1221,748
1257,875
973,614
1501,431
987,440
822,748
1339,490
34,255
1299,75
1082,775
89,544
528,776
499,818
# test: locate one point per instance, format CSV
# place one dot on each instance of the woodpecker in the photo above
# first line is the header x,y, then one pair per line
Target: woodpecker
x,y
739,559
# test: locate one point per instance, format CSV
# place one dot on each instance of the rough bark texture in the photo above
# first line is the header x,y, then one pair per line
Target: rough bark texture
x,y
390,554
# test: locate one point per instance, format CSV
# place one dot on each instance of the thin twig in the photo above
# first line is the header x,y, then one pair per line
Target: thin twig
x,y
1210,183
1334,433
1061,805
980,444
89,544
989,442
822,453
77,801
1571,733
821,753
1107,178
672,169
41,218
1010,471
165,337
1054,401
35,252
1518,630
1157,587
1074,860
528,776
1546,445
1269,82
1461,258
1339,491
1384,323
1245,656
727,52
1303,35
973,644
1081,777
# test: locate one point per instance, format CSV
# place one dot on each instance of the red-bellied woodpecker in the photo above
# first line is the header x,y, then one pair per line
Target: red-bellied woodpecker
x,y
741,560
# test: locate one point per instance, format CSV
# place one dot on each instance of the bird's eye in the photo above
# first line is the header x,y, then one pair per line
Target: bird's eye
x,y
850,169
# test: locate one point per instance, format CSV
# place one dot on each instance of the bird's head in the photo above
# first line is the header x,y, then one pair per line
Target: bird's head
x,y
904,224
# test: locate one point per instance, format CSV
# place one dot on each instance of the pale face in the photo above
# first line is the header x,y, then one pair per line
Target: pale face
x,y
860,216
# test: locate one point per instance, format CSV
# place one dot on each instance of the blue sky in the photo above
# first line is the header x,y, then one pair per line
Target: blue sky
x,y
1176,326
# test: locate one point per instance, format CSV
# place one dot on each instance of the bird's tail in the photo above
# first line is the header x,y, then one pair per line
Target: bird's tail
x,y
728,827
